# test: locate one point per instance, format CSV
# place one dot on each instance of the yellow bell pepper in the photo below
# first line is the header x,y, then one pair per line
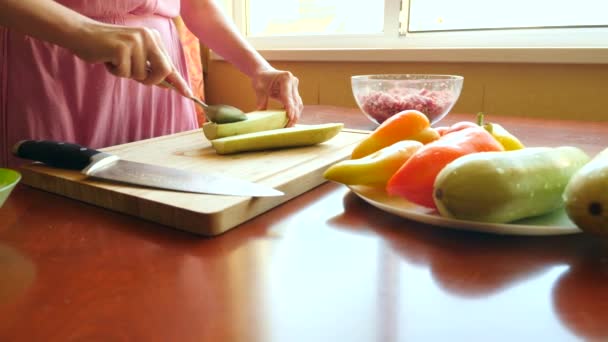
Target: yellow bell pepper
x,y
506,139
426,136
374,169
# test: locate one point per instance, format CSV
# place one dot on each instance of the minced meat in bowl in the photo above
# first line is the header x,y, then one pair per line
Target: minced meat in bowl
x,y
381,96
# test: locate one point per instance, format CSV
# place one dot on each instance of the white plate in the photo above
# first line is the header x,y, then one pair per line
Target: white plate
x,y
555,223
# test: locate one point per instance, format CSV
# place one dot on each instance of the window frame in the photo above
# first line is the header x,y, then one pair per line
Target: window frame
x,y
585,45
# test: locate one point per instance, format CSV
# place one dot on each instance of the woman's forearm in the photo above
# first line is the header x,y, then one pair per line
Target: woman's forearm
x,y
43,19
205,19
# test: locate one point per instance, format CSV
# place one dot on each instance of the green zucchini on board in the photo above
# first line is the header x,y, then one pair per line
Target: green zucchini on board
x,y
501,187
586,196
255,122
277,138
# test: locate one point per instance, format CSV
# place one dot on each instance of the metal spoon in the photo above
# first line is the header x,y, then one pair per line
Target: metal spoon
x,y
215,113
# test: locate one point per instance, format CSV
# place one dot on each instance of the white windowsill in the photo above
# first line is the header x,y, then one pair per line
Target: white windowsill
x,y
461,55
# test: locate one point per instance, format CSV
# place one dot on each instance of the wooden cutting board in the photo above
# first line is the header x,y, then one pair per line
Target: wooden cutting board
x,y
293,171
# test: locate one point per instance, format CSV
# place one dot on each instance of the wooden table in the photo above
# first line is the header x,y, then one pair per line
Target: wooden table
x,y
325,266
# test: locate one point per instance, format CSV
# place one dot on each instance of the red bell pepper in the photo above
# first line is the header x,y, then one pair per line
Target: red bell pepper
x,y
415,179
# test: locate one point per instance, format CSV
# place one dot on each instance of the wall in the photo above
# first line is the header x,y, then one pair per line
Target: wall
x,y
535,90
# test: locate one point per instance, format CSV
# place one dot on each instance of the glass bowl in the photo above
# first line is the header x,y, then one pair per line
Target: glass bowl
x,y
381,96
8,180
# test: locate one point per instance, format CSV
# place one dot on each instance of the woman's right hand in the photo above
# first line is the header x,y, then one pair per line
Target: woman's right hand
x,y
131,52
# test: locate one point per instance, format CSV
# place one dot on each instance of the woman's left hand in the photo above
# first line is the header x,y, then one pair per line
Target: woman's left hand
x,y
282,86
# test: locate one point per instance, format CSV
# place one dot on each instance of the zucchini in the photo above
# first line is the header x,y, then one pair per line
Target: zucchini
x,y
586,196
500,187
277,138
256,121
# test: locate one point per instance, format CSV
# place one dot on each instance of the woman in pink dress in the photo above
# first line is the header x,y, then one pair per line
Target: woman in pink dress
x,y
81,70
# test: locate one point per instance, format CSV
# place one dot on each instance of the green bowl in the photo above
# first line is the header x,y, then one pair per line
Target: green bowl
x,y
8,179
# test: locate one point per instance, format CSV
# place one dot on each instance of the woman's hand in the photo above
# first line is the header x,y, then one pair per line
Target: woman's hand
x,y
131,52
209,23
282,86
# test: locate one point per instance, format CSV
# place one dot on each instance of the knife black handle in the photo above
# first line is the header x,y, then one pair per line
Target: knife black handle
x,y
55,153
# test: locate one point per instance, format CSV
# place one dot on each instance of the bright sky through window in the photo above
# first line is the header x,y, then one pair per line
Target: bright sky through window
x,y
314,17
433,15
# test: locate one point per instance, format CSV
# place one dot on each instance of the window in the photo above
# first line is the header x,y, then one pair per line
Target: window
x,y
404,30
443,15
301,17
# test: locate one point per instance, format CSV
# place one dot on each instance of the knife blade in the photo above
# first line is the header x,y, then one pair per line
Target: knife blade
x,y
106,166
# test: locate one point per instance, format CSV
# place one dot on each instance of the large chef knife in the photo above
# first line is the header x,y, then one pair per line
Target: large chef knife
x,y
107,166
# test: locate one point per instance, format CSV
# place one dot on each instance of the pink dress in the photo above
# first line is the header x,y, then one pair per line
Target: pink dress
x,y
48,93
